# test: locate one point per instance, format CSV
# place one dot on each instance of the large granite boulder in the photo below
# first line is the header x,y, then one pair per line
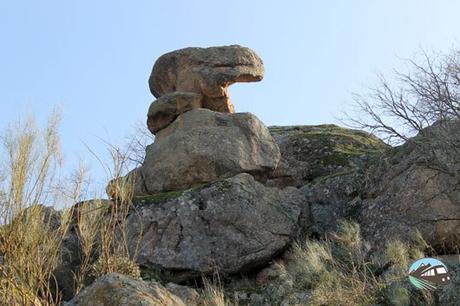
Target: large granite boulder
x,y
206,71
229,226
203,146
121,290
413,189
309,152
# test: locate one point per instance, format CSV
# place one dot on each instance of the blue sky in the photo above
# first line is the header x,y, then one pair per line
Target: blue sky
x,y
93,58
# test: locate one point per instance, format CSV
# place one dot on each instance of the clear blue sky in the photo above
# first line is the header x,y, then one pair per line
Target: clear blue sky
x,y
94,57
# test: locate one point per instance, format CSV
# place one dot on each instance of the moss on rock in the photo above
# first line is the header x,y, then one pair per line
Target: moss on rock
x,y
310,152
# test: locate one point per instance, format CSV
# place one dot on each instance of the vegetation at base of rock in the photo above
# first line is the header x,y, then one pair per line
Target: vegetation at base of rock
x,y
151,275
31,235
158,197
34,239
341,270
213,293
118,264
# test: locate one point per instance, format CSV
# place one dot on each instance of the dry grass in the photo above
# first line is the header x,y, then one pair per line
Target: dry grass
x,y
31,235
341,270
114,242
122,265
102,227
213,293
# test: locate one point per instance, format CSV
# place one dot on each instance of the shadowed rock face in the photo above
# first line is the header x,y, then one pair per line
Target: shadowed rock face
x,y
165,110
206,71
408,192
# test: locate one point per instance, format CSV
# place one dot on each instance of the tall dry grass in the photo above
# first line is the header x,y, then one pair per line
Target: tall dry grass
x,y
342,270
116,251
31,234
102,226
213,293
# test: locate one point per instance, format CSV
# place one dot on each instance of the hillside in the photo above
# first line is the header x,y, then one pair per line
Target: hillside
x,y
224,210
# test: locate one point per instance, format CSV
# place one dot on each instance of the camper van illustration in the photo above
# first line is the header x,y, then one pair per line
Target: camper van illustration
x,y
428,273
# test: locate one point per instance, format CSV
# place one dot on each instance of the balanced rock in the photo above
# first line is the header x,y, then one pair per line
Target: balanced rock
x,y
227,226
121,290
166,109
206,71
203,146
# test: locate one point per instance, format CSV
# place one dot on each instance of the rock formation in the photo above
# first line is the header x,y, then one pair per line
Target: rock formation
x,y
408,192
198,138
166,109
220,192
206,71
230,226
219,217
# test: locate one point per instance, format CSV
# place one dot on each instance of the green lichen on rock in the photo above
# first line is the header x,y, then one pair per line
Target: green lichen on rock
x,y
325,149
339,144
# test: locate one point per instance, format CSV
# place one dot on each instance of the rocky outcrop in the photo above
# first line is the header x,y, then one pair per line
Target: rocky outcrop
x,y
328,200
228,226
407,192
188,295
121,290
313,151
206,71
198,139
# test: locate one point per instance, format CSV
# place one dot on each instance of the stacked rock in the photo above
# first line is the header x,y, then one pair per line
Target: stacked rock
x,y
198,137
198,78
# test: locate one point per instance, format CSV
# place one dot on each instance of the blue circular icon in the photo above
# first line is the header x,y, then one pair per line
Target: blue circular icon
x,y
428,273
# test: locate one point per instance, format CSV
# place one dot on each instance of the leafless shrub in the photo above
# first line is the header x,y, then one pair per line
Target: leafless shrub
x,y
137,143
426,96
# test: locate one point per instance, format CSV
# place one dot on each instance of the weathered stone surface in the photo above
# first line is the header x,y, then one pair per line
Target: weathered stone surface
x,y
130,185
120,290
450,294
64,274
203,146
408,191
166,109
309,152
229,226
206,71
328,200
188,295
